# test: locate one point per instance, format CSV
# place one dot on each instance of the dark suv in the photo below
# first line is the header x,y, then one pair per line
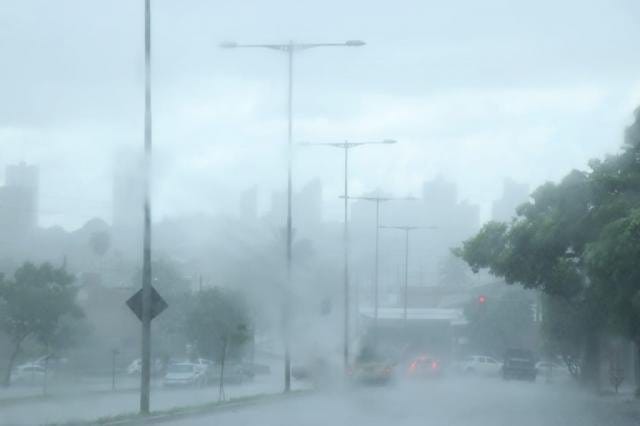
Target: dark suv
x,y
519,364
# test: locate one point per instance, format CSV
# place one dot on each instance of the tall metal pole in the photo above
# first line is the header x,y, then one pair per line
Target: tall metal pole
x,y
345,237
287,353
377,271
406,272
145,377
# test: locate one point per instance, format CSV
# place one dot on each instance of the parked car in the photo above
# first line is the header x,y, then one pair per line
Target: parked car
x,y
29,374
157,367
234,373
185,374
135,367
519,364
550,370
480,365
424,366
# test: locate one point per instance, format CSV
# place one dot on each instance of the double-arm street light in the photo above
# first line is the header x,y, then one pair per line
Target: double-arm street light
x,y
378,200
346,146
406,230
289,49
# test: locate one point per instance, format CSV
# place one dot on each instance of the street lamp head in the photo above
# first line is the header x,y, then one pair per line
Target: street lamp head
x,y
228,44
389,141
354,43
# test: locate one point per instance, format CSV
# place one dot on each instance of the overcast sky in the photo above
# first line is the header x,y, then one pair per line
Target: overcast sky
x,y
474,91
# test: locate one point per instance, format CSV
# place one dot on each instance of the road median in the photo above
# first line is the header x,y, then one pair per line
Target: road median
x,y
127,419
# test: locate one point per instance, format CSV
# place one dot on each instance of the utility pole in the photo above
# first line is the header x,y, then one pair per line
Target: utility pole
x,y
145,376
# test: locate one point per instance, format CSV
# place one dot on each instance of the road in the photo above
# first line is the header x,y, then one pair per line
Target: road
x,y
453,403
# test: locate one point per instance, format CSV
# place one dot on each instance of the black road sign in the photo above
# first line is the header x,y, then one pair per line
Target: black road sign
x,y
157,303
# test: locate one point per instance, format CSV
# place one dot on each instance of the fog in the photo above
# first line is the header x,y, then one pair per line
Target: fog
x,y
452,280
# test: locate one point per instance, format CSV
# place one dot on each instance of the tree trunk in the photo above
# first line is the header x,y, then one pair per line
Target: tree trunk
x,y
591,367
221,395
636,365
7,375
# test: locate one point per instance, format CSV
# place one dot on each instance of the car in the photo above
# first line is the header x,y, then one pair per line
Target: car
x,y
424,366
30,374
519,364
157,367
371,367
135,367
552,370
185,374
314,370
481,365
371,372
234,373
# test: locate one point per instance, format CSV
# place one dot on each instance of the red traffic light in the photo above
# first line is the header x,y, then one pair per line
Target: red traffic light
x,y
482,299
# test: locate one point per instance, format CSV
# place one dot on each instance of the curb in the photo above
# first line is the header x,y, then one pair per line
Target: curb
x,y
53,396
189,411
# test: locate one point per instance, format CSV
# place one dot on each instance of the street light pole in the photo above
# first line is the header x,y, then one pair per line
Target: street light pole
x,y
346,145
406,230
290,48
287,308
145,376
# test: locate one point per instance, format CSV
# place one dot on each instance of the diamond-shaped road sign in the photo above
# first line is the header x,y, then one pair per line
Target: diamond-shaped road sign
x,y
157,303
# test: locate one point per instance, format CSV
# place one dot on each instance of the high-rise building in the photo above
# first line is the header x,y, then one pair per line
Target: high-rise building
x,y
18,202
306,208
513,194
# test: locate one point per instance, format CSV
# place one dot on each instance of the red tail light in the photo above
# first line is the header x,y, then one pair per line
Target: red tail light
x,y
434,365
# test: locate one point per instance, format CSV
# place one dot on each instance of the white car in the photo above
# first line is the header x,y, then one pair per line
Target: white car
x,y
481,365
135,367
29,374
185,374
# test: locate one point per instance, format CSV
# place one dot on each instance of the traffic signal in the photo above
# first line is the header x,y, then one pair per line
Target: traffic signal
x,y
482,299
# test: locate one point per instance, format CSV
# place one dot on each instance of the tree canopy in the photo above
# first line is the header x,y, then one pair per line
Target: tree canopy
x,y
218,319
578,241
34,304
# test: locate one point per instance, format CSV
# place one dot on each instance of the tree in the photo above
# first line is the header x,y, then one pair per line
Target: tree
x,y
219,325
33,304
579,242
100,242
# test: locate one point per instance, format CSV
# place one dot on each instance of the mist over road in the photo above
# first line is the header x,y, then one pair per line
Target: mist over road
x,y
451,403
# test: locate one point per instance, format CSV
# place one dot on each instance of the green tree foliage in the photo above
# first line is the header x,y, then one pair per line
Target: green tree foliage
x,y
37,303
578,241
218,323
100,242
219,326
